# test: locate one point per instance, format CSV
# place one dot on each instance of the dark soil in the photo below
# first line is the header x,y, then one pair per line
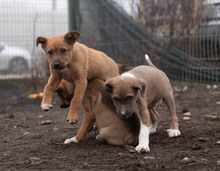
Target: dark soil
x,y
28,144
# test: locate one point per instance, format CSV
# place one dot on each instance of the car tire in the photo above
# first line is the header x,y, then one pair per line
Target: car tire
x,y
18,65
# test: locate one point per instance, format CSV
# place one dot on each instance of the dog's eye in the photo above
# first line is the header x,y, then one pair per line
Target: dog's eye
x,y
50,52
128,98
63,51
116,99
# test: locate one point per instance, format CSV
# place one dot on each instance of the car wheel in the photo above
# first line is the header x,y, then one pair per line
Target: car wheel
x,y
18,65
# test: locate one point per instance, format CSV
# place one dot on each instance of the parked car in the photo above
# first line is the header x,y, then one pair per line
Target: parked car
x,y
14,59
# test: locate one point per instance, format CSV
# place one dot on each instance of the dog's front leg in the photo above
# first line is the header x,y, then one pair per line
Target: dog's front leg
x,y
143,138
80,87
52,84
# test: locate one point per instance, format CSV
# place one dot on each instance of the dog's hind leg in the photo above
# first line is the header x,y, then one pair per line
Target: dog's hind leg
x,y
154,116
174,127
109,135
88,122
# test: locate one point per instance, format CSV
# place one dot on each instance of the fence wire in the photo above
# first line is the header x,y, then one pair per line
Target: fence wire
x,y
106,26
21,22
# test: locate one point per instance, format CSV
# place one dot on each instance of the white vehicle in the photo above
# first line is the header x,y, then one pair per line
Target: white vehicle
x,y
14,59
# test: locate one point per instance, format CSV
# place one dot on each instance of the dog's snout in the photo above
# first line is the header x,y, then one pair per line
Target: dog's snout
x,y
57,65
122,113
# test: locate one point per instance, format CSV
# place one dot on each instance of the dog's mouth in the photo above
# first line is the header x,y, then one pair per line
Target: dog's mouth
x,y
57,65
125,116
58,68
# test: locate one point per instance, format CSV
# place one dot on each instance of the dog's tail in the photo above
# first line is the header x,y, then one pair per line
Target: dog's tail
x,y
149,61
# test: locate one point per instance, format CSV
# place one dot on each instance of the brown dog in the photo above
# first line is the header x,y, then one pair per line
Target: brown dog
x,y
99,108
73,62
139,90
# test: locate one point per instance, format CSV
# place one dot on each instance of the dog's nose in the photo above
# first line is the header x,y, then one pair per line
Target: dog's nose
x,y
123,114
56,64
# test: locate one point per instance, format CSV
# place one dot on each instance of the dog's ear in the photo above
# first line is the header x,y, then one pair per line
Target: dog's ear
x,y
42,40
71,37
109,86
140,85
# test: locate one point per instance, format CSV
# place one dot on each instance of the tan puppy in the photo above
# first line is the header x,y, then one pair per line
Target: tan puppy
x,y
138,90
73,62
99,108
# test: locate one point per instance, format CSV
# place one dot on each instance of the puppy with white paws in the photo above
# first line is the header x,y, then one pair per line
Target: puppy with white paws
x,y
139,90
99,109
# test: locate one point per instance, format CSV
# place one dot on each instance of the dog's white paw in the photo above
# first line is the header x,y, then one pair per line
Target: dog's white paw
x,y
46,107
153,128
70,140
142,147
173,132
97,137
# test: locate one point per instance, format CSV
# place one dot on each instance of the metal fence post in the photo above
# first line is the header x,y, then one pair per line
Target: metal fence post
x,y
73,14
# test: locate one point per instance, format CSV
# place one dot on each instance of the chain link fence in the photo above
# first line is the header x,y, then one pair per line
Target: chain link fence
x,y
111,26
21,22
107,26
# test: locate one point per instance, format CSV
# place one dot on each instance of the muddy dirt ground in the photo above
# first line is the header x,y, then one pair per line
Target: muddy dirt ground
x,y
31,139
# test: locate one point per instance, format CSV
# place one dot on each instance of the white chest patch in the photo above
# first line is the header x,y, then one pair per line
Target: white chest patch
x,y
126,74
